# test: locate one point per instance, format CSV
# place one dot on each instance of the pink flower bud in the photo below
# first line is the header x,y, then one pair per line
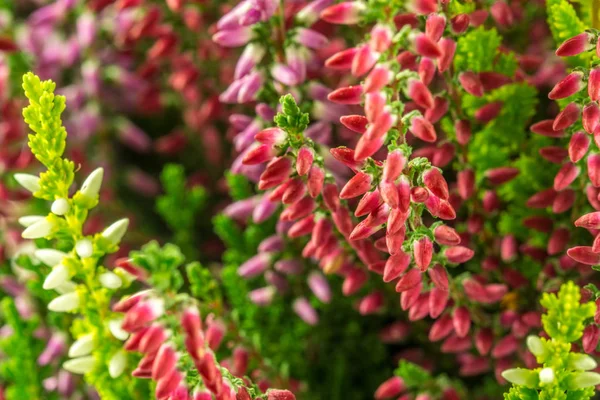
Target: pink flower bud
x,y
426,70
420,309
483,341
566,117
394,241
419,93
447,49
381,38
459,23
424,7
167,385
575,45
542,199
409,297
422,253
554,154
501,175
545,128
455,344
435,182
565,176
304,160
488,112
541,224
584,255
593,84
346,13
427,47
384,122
389,193
395,266
346,95
591,335
458,254
434,26
394,164
371,303
319,286
233,38
316,177
377,79
409,280
593,165
295,190
438,299
502,14
466,183
356,123
298,210
165,362
591,117
493,80
142,314
341,60
589,221
445,235
441,328
438,276
390,388
359,184
153,339
311,39
276,394
578,146
461,319
471,83
364,60
374,105
463,131
506,346
259,154
423,129
255,265
568,86
305,311
558,241
354,281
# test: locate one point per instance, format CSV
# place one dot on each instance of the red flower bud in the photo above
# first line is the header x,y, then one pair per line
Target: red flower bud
x,y
591,335
578,146
434,26
593,165
390,388
461,319
447,49
594,84
565,176
575,45
346,95
356,123
341,60
346,13
566,117
591,117
423,129
426,70
423,252
427,47
359,184
471,83
364,60
489,111
409,280
570,85
463,131
419,93
466,183
584,255
545,128
435,182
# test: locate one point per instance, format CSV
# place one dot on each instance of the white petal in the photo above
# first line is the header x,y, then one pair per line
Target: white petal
x,y
50,257
56,277
38,230
80,365
28,181
115,232
29,220
82,346
547,375
64,302
117,364
91,186
60,206
84,248
110,280
114,326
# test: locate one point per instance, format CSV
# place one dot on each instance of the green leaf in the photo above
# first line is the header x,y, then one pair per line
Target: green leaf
x,y
475,50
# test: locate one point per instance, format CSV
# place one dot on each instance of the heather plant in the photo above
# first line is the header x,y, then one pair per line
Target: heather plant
x,y
413,205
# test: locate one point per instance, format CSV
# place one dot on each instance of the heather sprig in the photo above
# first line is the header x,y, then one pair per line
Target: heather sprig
x,y
563,374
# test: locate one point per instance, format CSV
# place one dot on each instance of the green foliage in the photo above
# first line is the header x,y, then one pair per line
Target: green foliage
x,y
413,375
49,141
564,24
566,315
180,206
475,51
162,264
291,119
564,375
239,186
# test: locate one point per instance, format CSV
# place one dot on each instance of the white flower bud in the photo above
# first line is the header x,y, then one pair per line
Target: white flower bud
x,y
65,302
39,229
80,365
50,257
521,376
117,364
547,375
110,280
580,380
29,220
84,248
581,362
66,287
60,206
535,345
56,277
114,326
28,181
115,232
82,346
91,186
